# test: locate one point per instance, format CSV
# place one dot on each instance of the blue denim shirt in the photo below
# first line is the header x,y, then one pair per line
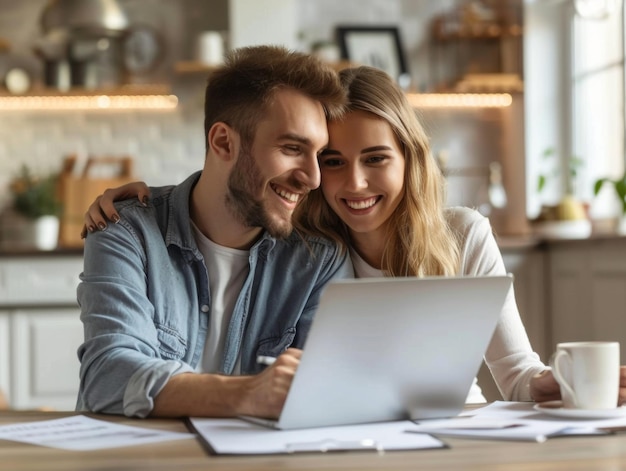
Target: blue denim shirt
x,y
144,299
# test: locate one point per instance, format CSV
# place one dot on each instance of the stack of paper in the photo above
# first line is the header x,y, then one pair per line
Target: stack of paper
x,y
84,433
236,436
518,421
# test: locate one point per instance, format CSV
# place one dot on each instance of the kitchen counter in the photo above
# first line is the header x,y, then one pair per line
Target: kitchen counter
x,y
521,242
58,252
509,242
505,242
40,328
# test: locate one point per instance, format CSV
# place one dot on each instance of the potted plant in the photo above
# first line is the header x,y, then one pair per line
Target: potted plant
x,y
568,217
619,185
574,164
36,199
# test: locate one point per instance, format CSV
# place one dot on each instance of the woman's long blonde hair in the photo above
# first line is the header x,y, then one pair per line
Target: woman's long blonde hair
x,y
419,240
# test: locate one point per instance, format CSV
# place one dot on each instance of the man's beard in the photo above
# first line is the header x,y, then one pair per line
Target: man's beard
x,y
244,205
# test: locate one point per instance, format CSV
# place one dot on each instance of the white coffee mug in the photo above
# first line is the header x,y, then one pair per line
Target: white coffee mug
x,y
210,48
588,374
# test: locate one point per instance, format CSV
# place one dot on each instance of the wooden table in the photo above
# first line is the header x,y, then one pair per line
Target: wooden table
x,y
567,454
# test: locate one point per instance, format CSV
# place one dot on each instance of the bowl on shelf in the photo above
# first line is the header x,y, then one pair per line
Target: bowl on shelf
x,y
566,229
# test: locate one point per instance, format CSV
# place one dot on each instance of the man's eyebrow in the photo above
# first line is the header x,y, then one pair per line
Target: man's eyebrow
x,y
295,137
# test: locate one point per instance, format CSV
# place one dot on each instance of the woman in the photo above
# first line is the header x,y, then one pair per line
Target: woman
x,y
382,197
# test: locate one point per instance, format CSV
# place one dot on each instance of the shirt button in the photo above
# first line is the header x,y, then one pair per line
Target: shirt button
x,y
204,308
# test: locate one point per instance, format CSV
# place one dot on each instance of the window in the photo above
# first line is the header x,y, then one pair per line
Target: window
x,y
574,98
597,94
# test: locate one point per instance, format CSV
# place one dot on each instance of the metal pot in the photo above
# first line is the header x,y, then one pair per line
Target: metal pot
x,y
95,17
95,30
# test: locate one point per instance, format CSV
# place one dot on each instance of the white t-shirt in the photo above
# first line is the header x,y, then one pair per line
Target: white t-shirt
x,y
509,356
228,269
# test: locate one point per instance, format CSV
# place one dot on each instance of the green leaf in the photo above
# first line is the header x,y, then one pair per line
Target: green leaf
x,y
620,188
598,186
576,161
541,183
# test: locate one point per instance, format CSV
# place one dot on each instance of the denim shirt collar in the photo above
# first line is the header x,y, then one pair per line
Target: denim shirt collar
x,y
179,231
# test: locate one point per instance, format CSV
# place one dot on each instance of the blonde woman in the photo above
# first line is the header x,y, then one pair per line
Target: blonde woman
x,y
382,196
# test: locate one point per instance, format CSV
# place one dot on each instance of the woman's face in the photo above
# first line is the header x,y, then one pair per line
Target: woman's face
x,y
362,172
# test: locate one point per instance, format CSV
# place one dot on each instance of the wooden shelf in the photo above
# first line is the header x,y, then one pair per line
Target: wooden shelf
x,y
343,64
193,67
489,83
122,90
443,32
123,98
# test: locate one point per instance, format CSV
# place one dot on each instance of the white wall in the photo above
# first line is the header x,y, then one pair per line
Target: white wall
x,y
253,22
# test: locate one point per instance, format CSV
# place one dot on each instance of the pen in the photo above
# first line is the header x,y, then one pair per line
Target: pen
x,y
265,360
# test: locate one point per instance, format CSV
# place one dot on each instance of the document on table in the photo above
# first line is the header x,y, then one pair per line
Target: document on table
x,y
238,437
84,433
503,420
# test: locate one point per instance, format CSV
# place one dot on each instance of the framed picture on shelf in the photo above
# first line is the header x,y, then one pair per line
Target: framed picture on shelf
x,y
377,46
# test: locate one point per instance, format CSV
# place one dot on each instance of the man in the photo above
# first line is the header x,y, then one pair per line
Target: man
x,y
180,297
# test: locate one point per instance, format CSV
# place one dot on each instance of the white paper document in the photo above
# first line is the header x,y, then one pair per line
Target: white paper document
x,y
236,436
84,433
503,420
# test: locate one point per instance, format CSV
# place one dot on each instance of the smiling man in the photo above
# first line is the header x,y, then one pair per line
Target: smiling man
x,y
180,297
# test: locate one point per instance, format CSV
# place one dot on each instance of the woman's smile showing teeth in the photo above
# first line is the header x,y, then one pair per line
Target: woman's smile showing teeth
x,y
363,179
362,203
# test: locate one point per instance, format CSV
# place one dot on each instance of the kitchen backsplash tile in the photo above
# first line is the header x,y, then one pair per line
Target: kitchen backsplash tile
x,y
166,147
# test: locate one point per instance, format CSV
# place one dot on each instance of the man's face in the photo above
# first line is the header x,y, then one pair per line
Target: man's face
x,y
280,168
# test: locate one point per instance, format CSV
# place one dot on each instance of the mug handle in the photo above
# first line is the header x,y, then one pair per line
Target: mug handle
x,y
557,358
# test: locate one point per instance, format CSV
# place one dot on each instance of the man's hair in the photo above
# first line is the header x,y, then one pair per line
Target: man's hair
x,y
239,91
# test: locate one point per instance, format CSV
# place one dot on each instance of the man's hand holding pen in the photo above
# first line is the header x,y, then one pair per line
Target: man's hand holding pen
x,y
268,390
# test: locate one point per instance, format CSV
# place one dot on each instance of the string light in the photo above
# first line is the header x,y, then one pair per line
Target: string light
x,y
460,100
92,102
170,102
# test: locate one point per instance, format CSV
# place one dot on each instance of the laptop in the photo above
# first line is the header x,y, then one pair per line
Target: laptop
x,y
383,349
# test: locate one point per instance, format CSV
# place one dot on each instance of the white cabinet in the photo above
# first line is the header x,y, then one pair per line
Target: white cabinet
x,y
41,280
44,360
588,291
40,331
528,268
